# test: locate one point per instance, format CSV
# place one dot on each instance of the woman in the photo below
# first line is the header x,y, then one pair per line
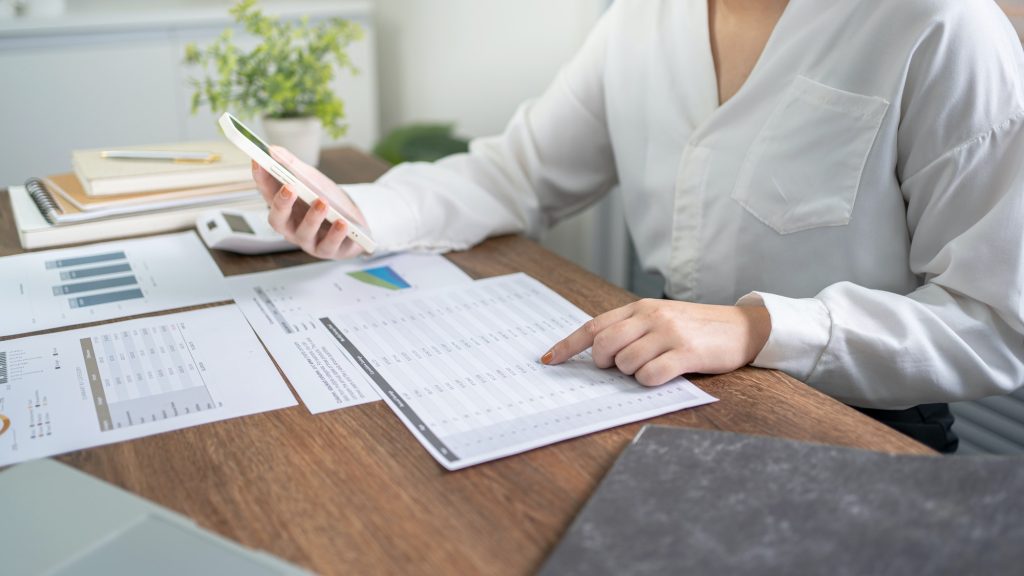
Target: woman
x,y
832,189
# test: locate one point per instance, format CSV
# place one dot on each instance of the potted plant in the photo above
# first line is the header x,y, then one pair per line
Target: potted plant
x,y
285,79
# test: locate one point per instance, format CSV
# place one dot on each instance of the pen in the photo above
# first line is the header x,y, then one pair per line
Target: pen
x,y
169,155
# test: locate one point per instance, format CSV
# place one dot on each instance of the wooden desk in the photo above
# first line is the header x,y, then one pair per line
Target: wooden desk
x,y
352,491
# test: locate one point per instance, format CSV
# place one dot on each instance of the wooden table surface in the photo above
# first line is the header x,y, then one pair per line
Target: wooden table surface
x,y
351,491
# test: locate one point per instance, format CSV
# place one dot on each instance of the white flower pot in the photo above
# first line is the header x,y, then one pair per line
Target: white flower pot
x,y
299,135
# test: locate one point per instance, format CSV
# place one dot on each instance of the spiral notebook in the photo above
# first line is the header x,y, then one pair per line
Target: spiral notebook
x,y
45,218
61,199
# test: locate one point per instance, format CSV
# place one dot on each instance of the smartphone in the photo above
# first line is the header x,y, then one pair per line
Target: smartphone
x,y
254,147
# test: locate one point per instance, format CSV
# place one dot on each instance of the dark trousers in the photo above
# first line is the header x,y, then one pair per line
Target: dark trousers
x,y
929,424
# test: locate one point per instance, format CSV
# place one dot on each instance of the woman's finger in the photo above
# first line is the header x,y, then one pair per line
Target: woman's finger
x,y
281,205
640,352
327,247
583,337
308,229
265,183
662,369
611,340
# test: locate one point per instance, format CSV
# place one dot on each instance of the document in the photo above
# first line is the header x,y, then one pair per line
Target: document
x,y
283,306
460,367
79,388
69,286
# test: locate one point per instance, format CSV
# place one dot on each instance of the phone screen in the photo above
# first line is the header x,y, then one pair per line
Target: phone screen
x,y
250,136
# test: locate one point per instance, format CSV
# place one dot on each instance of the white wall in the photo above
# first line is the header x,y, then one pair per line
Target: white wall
x,y
112,74
473,62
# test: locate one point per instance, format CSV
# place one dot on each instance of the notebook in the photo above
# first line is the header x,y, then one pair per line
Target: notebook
x,y
35,231
103,176
62,199
67,189
681,501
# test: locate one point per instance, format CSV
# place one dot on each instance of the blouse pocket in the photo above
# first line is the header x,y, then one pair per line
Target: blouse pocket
x,y
804,168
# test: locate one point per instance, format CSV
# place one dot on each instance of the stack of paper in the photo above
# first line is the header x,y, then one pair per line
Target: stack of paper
x,y
116,197
105,383
457,360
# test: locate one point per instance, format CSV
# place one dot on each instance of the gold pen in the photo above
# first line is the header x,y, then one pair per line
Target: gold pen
x,y
168,155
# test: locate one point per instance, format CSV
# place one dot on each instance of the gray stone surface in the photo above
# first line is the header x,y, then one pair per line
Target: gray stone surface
x,y
682,501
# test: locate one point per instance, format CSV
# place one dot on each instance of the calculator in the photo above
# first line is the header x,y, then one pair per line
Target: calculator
x,y
241,231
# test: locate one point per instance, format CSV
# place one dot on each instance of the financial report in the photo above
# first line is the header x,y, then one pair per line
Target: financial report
x,y
112,382
69,286
460,367
283,306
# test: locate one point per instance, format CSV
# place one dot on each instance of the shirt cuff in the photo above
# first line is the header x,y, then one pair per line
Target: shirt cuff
x,y
390,219
800,333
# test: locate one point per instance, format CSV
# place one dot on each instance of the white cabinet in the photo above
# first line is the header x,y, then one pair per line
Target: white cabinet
x,y
116,78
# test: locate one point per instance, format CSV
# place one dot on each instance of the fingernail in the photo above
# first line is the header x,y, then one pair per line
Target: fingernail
x,y
286,193
339,225
546,358
321,206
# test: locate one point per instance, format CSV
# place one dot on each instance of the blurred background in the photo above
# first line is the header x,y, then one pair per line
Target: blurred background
x,y
96,73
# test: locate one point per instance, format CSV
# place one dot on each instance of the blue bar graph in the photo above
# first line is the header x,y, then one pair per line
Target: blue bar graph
x,y
105,298
94,285
67,262
98,271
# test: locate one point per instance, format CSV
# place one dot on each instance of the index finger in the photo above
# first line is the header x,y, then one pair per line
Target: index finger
x,y
583,337
265,182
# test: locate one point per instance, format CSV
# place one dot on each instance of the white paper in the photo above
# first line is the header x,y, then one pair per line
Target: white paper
x,y
69,286
284,305
69,390
461,368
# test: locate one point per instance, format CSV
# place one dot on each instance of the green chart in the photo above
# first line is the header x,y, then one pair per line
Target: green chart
x,y
383,277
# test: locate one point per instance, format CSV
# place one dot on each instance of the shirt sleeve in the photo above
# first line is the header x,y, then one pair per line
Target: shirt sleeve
x,y
961,334
553,159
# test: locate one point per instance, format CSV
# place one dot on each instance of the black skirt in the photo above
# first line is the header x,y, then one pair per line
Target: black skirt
x,y
929,424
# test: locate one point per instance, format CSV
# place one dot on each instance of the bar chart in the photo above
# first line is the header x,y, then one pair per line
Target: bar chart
x,y
103,281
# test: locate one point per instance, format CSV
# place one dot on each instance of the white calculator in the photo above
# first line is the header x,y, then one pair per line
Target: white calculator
x,y
241,231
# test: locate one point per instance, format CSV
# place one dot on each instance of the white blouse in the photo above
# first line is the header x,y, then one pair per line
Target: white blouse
x,y
866,184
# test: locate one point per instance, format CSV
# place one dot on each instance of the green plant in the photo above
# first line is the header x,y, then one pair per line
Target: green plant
x,y
420,143
287,75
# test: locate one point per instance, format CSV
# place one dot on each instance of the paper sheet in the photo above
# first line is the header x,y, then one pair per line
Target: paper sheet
x,y
69,286
460,367
283,307
80,388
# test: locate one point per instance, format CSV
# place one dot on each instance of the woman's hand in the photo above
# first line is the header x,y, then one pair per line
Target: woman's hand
x,y
657,340
300,223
